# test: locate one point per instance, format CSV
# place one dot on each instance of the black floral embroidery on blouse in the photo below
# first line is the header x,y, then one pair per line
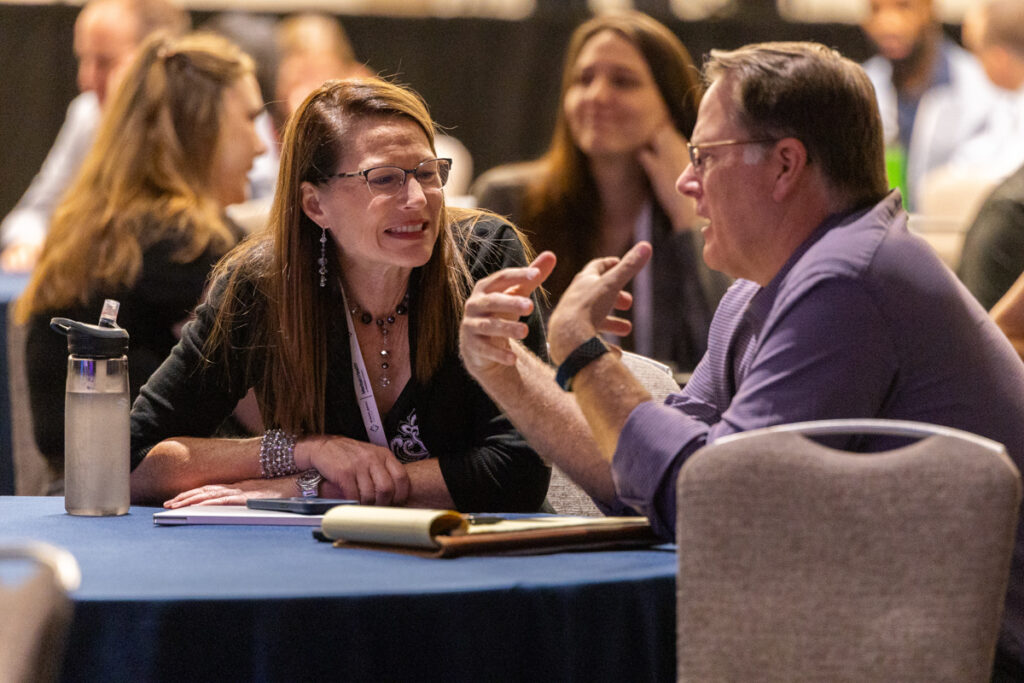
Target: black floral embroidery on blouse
x,y
406,444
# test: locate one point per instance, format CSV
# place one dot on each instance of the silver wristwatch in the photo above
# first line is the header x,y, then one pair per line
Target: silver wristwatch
x,y
309,483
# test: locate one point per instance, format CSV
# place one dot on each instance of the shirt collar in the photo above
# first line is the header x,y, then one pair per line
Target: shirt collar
x,y
761,303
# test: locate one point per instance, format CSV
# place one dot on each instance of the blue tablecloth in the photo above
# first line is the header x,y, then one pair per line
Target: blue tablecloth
x,y
270,603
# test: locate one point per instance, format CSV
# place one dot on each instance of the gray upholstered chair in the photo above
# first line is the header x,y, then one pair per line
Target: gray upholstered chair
x,y
36,610
564,496
798,562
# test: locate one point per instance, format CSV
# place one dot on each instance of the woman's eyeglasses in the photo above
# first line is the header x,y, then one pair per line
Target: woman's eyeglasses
x,y
385,181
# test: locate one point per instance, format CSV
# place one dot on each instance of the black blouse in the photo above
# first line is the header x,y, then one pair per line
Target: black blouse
x,y
485,462
166,292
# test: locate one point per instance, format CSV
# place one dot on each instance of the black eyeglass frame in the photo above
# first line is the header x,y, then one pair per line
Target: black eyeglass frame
x,y
443,171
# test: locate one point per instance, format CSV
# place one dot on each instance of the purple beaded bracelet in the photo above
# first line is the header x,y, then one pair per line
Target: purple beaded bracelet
x,y
277,454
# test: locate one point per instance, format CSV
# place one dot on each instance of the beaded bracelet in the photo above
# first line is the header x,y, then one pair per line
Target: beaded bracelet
x,y
277,454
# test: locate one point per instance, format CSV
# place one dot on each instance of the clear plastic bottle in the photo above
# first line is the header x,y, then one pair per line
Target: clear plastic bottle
x,y
96,427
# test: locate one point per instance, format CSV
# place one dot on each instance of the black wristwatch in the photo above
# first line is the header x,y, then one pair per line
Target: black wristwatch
x,y
309,483
582,356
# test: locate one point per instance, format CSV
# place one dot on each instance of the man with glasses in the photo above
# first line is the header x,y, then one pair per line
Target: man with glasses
x,y
837,310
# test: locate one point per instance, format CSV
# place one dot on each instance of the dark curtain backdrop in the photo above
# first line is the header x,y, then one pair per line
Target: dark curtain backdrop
x,y
493,83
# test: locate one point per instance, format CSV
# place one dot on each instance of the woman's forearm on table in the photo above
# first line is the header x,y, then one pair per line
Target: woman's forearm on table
x,y
179,464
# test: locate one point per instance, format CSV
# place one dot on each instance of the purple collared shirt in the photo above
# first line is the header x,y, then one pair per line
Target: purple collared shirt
x,y
863,321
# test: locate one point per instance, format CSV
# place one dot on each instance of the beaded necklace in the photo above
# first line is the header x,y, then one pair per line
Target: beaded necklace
x,y
384,325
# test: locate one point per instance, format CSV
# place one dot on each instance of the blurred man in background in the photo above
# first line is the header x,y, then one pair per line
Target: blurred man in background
x,y
993,252
106,35
933,95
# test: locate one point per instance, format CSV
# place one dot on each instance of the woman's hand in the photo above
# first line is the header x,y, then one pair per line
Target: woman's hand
x,y
664,159
359,470
235,494
492,314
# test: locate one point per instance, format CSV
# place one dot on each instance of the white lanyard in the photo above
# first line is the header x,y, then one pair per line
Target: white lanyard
x,y
361,382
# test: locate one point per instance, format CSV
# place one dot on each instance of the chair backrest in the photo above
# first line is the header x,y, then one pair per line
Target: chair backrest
x,y
564,496
801,562
656,377
36,611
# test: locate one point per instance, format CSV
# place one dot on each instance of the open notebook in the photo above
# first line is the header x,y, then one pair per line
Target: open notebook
x,y
446,533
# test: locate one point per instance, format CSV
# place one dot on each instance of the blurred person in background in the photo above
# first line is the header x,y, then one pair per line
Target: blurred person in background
x,y
628,104
107,33
254,34
314,48
143,221
993,251
933,95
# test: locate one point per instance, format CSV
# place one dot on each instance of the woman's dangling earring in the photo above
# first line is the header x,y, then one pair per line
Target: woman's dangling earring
x,y
323,256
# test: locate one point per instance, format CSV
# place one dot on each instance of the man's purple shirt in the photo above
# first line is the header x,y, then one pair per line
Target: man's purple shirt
x,y
863,321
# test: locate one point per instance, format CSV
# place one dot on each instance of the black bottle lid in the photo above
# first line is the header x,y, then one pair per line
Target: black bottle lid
x,y
92,341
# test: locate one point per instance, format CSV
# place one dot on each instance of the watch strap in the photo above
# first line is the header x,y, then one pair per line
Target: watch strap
x,y
582,356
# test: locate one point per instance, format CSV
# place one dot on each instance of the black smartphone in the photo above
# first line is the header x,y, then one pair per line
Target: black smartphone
x,y
303,506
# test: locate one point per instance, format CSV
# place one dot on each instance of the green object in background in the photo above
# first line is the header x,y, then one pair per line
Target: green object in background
x,y
896,171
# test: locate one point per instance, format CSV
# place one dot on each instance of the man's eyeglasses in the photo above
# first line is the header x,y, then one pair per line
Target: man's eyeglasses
x,y
385,181
695,150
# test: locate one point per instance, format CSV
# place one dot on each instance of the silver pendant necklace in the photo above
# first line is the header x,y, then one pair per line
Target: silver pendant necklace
x,y
384,326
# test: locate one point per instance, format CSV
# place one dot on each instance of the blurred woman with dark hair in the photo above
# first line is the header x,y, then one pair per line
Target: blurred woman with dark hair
x,y
628,104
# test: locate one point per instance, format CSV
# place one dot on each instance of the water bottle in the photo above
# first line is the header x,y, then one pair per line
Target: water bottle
x,y
96,428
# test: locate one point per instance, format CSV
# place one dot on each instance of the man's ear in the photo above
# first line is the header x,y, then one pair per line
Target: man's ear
x,y
790,162
311,203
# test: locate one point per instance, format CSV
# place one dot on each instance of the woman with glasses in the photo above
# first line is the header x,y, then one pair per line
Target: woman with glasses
x,y
343,317
628,102
143,222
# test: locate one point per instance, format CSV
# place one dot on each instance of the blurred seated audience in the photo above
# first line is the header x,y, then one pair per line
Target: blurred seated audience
x,y
143,221
106,36
343,318
628,104
957,191
933,95
994,31
993,253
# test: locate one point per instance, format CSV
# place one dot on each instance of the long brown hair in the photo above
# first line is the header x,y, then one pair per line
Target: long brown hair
x,y
560,210
152,157
282,262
